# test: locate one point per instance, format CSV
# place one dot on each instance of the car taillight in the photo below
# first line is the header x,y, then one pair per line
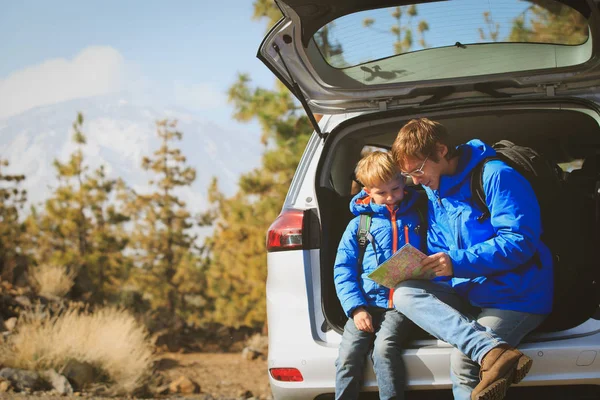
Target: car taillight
x,y
285,233
286,374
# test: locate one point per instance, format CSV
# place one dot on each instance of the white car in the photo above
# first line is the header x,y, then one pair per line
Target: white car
x,y
527,71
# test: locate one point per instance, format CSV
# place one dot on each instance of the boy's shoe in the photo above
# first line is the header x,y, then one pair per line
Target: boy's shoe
x,y
500,367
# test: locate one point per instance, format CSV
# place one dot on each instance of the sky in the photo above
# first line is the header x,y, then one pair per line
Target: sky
x,y
184,53
180,53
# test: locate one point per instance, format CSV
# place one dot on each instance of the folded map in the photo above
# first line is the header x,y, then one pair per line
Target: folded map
x,y
401,266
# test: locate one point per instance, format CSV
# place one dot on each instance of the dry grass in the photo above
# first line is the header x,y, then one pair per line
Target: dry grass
x,y
52,280
109,339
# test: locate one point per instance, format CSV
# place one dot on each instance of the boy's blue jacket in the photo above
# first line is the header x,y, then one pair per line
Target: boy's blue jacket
x,y
499,262
354,288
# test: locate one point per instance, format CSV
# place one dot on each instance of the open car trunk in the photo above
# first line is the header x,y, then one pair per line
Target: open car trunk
x,y
566,131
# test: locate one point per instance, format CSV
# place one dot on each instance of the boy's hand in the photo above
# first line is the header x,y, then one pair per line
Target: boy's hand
x,y
440,263
362,320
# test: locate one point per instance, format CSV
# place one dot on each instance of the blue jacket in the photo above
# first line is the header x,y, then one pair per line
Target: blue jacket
x,y
499,262
352,285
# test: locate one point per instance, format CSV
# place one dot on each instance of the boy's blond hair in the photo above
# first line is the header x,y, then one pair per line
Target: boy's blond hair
x,y
376,168
418,139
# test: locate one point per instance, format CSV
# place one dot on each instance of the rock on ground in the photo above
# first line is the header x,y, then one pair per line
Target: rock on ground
x,y
59,382
23,380
184,385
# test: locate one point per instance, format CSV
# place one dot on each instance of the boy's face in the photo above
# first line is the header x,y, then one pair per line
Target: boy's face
x,y
389,193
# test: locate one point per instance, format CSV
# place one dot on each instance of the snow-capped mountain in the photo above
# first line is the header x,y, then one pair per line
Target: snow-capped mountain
x,y
119,134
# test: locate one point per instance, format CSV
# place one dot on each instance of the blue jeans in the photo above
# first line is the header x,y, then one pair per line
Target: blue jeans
x,y
439,310
391,331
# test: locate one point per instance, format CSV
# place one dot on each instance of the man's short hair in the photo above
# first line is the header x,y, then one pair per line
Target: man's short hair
x,y
377,168
418,139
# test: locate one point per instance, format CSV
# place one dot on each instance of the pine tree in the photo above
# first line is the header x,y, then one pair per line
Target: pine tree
x,y
168,269
237,268
80,227
403,28
12,201
549,22
266,10
492,28
237,271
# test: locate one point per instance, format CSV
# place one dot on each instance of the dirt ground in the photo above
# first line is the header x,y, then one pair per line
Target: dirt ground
x,y
222,375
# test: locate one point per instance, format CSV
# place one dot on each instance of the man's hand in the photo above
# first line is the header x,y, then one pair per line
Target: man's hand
x,y
440,263
362,320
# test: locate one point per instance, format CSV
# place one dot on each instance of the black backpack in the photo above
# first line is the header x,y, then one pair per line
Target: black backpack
x,y
569,229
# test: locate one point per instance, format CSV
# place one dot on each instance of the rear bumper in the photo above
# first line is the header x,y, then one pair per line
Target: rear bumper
x,y
567,362
295,341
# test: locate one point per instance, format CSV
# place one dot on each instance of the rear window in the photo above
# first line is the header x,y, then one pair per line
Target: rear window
x,y
439,39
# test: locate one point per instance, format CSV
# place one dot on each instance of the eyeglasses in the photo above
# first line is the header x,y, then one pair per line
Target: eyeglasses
x,y
416,172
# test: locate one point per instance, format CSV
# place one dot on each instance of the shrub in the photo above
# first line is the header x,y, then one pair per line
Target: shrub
x,y
52,280
109,339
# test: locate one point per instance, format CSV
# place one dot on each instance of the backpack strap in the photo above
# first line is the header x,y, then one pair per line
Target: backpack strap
x,y
517,157
477,188
364,237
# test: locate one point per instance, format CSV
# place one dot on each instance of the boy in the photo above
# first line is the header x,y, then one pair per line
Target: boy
x,y
372,319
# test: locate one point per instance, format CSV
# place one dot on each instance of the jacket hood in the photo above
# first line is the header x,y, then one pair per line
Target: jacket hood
x,y
362,204
469,155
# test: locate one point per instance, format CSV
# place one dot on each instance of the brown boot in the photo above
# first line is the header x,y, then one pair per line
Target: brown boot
x,y
500,367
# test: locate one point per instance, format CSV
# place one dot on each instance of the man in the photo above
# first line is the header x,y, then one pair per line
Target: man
x,y
494,274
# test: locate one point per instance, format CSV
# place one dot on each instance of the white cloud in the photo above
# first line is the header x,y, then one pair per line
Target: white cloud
x,y
204,96
94,71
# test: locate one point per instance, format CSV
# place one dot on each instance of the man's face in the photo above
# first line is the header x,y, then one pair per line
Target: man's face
x,y
389,193
425,171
